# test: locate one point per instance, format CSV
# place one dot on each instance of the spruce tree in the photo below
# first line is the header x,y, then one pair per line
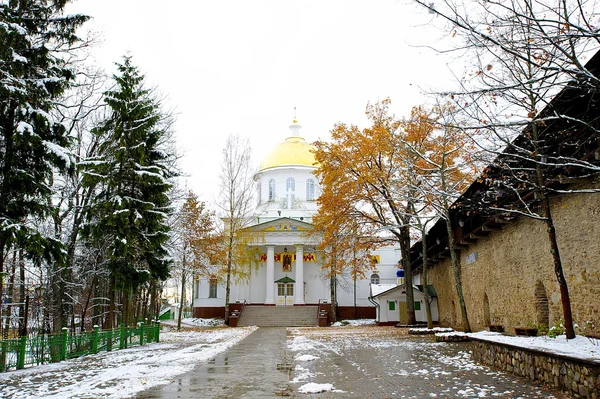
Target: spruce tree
x,y
33,35
131,174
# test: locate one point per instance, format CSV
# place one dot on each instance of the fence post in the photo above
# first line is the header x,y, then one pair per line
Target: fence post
x,y
141,333
123,343
63,348
157,336
95,334
22,349
109,340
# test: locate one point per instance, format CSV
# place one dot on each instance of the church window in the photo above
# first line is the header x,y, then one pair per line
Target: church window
x,y
310,190
417,305
374,278
291,184
212,288
291,188
271,190
259,193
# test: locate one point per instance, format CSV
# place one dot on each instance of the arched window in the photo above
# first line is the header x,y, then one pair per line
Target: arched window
x,y
212,289
310,190
271,190
374,278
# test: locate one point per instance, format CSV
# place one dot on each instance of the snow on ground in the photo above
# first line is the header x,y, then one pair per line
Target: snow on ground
x,y
204,322
357,322
369,353
313,387
433,330
580,347
122,373
195,322
305,358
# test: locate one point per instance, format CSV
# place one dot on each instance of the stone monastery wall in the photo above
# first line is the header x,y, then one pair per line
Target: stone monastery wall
x,y
512,281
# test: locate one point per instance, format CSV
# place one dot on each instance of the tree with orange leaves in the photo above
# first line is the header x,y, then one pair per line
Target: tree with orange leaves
x,y
345,247
446,165
363,204
198,239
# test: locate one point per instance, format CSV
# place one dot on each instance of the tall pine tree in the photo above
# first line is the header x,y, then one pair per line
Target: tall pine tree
x,y
33,35
131,173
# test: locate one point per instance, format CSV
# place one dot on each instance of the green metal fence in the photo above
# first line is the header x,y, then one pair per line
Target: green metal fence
x,y
17,353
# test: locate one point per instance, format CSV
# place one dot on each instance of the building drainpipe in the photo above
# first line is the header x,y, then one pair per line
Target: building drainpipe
x,y
377,306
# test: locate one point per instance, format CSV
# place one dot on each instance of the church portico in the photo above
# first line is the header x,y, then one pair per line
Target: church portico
x,y
284,266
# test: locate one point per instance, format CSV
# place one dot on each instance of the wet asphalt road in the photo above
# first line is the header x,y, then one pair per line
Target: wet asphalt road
x,y
257,367
262,366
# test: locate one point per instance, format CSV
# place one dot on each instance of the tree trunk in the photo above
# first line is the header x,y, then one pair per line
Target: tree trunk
x,y
21,288
558,269
228,281
153,313
182,300
85,307
408,276
10,296
110,321
456,269
1,291
425,281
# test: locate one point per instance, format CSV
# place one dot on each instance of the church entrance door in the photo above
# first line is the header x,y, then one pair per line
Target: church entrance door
x,y
285,294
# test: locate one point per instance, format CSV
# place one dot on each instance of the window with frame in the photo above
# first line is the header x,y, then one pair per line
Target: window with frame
x,y
310,190
272,190
212,287
374,278
291,188
291,184
258,193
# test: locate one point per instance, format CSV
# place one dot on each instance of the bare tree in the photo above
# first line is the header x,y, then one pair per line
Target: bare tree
x,y
529,89
235,202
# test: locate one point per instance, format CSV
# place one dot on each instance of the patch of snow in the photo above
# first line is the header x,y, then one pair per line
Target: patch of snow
x,y
313,387
357,322
19,58
377,289
306,358
434,329
580,347
302,374
300,344
203,322
58,151
22,127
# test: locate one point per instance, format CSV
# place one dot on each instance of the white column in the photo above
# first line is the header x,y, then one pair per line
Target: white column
x,y
269,300
299,300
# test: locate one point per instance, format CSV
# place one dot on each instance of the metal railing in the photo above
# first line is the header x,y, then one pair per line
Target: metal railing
x,y
18,353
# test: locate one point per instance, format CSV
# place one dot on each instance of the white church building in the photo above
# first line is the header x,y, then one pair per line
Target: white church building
x,y
289,272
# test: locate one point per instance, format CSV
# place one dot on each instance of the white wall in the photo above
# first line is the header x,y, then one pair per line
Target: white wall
x,y
420,315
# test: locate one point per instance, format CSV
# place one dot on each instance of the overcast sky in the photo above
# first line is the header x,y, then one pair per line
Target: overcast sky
x,y
240,66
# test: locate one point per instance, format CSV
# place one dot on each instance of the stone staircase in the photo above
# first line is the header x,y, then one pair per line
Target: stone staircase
x,y
279,316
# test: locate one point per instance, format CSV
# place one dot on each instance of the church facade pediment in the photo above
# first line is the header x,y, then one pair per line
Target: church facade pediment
x,y
282,225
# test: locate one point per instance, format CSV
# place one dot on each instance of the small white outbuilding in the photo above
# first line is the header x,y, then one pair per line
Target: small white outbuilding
x,y
390,301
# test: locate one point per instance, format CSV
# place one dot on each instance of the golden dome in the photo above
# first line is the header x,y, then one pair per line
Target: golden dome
x,y
294,151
